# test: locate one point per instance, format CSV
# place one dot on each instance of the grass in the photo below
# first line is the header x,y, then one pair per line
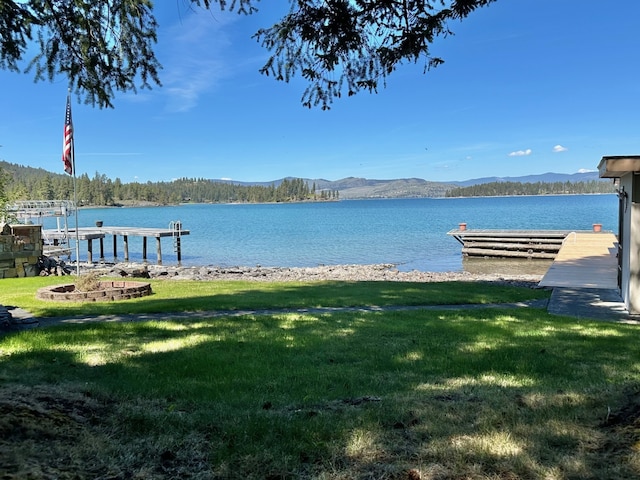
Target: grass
x,y
194,296
467,394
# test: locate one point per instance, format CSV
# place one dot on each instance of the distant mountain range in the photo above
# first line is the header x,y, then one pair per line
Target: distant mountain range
x,y
358,188
543,177
363,188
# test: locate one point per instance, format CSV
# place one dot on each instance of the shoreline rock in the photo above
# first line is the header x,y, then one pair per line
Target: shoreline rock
x,y
352,272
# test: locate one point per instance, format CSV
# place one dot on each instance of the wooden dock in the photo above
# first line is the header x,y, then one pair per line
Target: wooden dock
x,y
586,260
89,234
581,259
543,244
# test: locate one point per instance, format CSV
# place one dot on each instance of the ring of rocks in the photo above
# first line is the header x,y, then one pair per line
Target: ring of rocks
x,y
107,291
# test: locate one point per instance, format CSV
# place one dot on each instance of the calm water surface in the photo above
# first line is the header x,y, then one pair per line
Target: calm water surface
x,y
411,233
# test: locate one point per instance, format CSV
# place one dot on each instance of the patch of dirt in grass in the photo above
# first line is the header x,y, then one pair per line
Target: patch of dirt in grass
x,y
626,419
40,429
55,432
622,429
332,405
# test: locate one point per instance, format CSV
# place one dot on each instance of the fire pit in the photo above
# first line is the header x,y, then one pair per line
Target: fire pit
x,y
105,292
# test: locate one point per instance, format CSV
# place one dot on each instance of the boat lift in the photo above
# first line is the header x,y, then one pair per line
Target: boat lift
x,y
33,212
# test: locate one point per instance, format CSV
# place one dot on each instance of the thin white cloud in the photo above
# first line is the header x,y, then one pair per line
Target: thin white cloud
x,y
586,170
195,61
559,148
520,153
441,166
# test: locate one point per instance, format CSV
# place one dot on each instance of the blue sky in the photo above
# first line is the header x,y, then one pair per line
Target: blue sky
x,y
527,87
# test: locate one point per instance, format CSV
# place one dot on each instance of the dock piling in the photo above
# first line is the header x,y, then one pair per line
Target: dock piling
x,y
158,251
125,240
90,250
90,234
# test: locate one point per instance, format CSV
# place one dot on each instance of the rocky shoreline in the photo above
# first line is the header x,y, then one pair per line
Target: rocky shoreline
x,y
376,272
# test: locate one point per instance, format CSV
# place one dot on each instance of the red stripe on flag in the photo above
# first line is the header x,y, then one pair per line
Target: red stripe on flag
x,y
67,142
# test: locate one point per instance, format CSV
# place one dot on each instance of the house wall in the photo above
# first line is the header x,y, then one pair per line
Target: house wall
x,y
624,238
630,218
20,247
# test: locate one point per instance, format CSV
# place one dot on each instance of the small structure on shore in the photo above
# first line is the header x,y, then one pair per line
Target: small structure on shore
x,y
625,170
20,249
33,212
55,242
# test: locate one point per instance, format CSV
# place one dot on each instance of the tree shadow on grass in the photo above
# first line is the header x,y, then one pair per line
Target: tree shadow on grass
x,y
211,296
477,394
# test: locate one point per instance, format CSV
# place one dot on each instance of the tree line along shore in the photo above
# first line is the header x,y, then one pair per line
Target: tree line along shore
x,y
26,183
504,189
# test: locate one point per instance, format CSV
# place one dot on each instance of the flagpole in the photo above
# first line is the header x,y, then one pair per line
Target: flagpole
x,y
69,161
75,194
75,202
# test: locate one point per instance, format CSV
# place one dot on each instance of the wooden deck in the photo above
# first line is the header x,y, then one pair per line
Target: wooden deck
x,y
542,244
586,260
89,234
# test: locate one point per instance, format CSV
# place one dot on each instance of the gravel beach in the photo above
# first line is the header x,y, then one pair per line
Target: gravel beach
x,y
376,272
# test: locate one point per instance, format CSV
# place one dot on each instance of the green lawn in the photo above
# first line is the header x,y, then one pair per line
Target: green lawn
x,y
467,394
194,296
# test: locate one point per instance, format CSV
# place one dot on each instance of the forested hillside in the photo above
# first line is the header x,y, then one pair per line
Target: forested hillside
x,y
26,183
494,189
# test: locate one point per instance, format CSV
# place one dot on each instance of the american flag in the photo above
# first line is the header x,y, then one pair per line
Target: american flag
x,y
67,142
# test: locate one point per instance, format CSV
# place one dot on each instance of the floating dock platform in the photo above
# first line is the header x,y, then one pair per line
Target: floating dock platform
x,y
542,244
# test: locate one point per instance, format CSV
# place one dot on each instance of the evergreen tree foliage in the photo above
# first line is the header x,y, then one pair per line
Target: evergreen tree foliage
x,y
344,46
18,182
495,189
3,195
27,183
337,46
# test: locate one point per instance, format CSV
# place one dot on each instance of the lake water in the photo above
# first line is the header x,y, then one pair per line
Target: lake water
x,y
411,233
